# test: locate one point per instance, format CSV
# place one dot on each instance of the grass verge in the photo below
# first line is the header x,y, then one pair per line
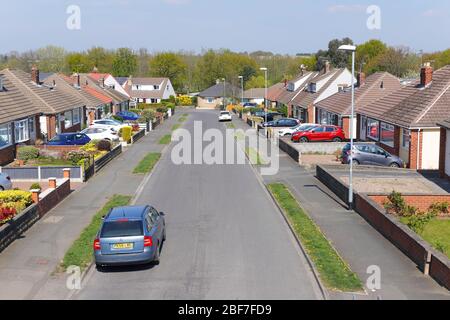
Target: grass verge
x,y
334,272
254,156
146,165
182,119
230,125
165,139
81,252
176,126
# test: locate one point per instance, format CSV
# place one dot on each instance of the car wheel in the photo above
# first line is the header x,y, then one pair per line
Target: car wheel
x,y
337,139
99,267
156,257
304,139
356,162
2,188
394,165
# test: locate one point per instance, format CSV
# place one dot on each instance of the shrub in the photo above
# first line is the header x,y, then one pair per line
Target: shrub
x,y
27,153
147,115
77,156
440,208
104,145
137,111
162,109
15,199
418,222
118,118
90,147
184,101
126,133
35,186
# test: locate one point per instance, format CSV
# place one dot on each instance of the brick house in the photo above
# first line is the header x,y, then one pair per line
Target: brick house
x,y
405,121
60,111
336,109
19,118
323,85
215,95
274,92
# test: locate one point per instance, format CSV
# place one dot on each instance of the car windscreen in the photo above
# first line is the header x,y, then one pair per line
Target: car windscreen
x,y
56,139
225,113
113,229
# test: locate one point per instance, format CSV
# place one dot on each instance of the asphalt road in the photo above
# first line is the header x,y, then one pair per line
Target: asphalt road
x,y
225,239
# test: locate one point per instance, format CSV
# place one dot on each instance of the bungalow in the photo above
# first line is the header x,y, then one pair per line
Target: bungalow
x,y
318,88
254,95
336,109
149,90
107,80
405,121
274,92
19,118
215,95
444,149
60,111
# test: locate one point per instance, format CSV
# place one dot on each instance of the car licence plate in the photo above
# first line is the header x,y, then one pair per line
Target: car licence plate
x,y
123,246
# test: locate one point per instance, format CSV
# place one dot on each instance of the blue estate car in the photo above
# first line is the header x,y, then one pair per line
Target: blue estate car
x,y
69,139
130,235
128,115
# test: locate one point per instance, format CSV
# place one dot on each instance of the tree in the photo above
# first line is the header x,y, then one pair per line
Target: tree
x,y
78,62
124,63
338,58
440,59
101,58
367,55
51,58
171,66
256,82
400,62
295,65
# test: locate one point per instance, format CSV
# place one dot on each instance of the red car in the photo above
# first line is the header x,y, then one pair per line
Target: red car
x,y
320,133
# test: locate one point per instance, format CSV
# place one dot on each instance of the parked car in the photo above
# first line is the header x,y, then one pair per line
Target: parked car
x,y
225,116
98,133
69,139
320,133
109,124
5,182
130,235
284,122
250,105
271,116
370,154
300,127
128,115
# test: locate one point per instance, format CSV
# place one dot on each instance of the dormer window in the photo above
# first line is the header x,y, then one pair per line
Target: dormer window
x,y
312,87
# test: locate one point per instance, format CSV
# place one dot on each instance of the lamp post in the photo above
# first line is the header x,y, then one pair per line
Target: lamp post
x,y
265,98
224,93
242,89
352,49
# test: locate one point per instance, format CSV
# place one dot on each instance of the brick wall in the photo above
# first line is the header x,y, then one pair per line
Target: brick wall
x,y
442,153
51,126
346,127
420,201
416,138
311,114
51,197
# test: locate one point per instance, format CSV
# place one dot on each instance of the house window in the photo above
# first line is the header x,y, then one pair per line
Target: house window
x,y
373,129
312,87
31,125
156,87
68,121
21,131
406,137
387,134
76,116
210,100
5,135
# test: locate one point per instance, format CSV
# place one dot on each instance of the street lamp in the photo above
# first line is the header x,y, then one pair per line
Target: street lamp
x,y
265,99
224,93
352,49
242,89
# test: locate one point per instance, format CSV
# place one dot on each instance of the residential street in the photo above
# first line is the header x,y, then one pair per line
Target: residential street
x,y
225,239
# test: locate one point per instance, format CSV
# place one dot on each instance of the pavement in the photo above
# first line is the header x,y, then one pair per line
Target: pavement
x,y
225,239
358,243
27,266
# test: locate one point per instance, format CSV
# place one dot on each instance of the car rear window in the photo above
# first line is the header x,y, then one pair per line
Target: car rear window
x,y
114,229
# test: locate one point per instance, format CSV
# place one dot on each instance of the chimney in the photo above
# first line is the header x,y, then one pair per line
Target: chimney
x,y
326,67
35,75
361,78
426,74
285,83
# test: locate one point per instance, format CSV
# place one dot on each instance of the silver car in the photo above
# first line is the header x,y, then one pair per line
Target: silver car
x,y
5,182
130,235
370,154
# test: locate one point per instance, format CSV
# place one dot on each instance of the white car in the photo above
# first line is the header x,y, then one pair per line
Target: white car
x,y
108,124
300,127
225,116
99,133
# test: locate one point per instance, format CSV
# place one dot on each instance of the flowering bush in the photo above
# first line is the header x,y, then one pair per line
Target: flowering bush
x,y
184,101
13,202
77,156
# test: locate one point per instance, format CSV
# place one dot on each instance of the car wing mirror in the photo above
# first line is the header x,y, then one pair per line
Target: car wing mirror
x,y
162,213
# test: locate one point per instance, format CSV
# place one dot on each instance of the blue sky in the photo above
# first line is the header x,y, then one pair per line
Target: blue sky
x,y
282,26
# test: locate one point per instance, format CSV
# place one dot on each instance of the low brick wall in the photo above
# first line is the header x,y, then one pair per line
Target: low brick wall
x,y
440,269
51,197
420,201
18,225
333,183
291,151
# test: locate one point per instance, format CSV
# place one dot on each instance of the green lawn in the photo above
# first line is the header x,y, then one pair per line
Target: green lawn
x,y
182,119
437,233
230,125
81,252
165,139
49,162
176,126
334,272
146,165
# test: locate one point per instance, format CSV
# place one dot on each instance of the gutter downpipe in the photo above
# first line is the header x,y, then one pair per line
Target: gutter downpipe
x,y
418,149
